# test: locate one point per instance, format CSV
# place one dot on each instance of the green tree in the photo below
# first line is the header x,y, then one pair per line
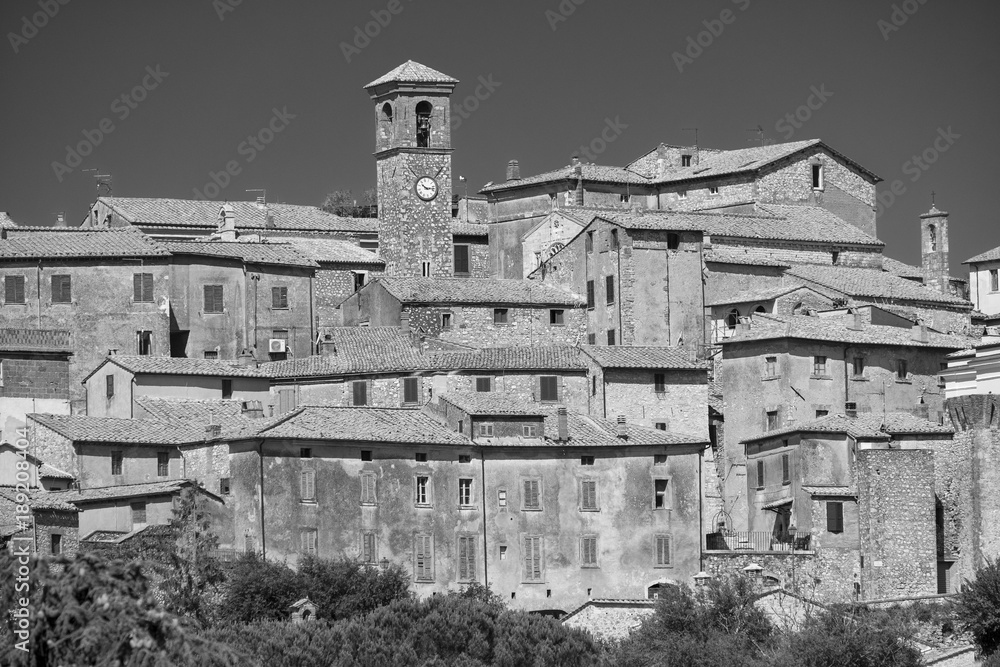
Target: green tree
x,y
344,203
344,588
834,638
257,589
979,608
193,572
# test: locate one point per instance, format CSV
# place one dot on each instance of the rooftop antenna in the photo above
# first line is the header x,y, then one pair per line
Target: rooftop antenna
x,y
760,134
695,130
103,180
262,197
933,199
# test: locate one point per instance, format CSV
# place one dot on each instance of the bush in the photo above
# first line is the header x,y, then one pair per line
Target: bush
x,y
345,588
979,608
836,639
258,589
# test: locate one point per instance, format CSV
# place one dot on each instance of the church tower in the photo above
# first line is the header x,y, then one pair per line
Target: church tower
x,y
934,249
413,157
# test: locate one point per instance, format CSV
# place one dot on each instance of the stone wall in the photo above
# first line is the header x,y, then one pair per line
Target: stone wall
x,y
34,375
682,406
868,257
612,619
49,523
474,325
52,448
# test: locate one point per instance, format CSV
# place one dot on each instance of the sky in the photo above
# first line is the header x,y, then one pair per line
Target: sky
x,y
164,94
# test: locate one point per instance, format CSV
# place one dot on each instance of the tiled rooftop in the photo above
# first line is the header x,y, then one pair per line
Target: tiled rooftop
x,y
897,268
491,403
838,330
752,295
542,357
334,251
80,428
587,431
35,340
871,283
988,256
182,366
76,243
865,426
723,255
459,228
477,291
192,213
166,487
621,356
194,411
412,72
354,424
42,500
6,220
280,254
591,172
354,350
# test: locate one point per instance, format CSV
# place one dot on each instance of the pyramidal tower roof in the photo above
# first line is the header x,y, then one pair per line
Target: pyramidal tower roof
x,y
412,72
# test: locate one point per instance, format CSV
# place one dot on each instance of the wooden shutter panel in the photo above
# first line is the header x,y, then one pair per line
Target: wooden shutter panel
x,y
307,485
147,286
137,287
536,563
663,550
423,565
589,494
531,493
785,471
835,517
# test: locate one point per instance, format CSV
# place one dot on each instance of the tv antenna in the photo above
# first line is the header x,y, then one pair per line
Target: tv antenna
x,y
103,180
262,197
695,130
760,134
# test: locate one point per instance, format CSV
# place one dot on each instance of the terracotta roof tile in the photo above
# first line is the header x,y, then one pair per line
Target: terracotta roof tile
x,y
587,431
349,350
335,251
838,330
544,357
412,72
43,500
988,256
736,256
871,283
79,428
356,424
166,487
35,340
6,220
477,291
866,426
459,228
491,403
280,254
621,356
897,268
75,243
195,412
591,172
837,491
747,296
181,366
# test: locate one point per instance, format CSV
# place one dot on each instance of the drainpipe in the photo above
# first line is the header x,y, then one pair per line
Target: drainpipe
x,y
184,463
701,517
618,286
263,538
486,567
38,292
847,381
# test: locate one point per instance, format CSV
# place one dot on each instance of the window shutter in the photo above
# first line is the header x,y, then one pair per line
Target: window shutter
x,y
423,567
760,474
589,494
137,287
466,549
368,548
536,572
786,475
590,294
360,392
531,493
307,485
835,517
147,286
663,550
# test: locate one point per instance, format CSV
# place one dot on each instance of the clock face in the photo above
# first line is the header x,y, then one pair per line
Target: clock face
x,y
427,188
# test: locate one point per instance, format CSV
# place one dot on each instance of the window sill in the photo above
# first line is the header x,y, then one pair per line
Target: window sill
x,y
424,507
859,378
663,567
820,377
531,509
369,504
308,502
532,581
767,378
590,567
898,381
468,508
285,308
590,509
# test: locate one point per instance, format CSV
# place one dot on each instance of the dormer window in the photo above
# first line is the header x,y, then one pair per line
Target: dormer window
x,y
685,160
714,190
817,177
424,125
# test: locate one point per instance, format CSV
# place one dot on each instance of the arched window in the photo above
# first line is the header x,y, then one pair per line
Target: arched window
x,y
732,319
932,237
673,241
797,308
760,309
424,125
387,112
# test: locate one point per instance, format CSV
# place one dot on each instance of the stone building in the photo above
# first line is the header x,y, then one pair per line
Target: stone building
x,y
41,475
34,376
52,527
984,284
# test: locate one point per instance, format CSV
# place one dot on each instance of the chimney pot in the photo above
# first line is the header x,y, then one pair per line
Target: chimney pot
x,y
513,171
920,333
246,358
622,427
60,219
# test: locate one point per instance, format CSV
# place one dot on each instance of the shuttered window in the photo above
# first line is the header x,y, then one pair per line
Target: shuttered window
x,y
548,388
484,384
760,474
786,469
588,551
660,382
411,391
590,294
62,291
213,299
588,494
662,550
307,484
609,289
466,558
13,289
162,464
368,496
116,463
308,542
368,554
360,393
109,386
835,517
142,287
138,513
531,498
423,558
533,559
461,260
279,297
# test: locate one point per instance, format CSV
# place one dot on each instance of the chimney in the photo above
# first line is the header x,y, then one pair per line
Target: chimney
x,y
578,175
404,323
857,322
934,249
622,430
60,219
213,431
252,410
563,425
227,223
513,171
919,333
247,359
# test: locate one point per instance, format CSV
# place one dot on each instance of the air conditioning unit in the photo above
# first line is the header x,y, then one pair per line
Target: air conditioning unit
x,y
276,345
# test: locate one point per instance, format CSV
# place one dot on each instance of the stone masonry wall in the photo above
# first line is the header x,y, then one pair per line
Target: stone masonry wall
x,y
803,253
34,376
473,326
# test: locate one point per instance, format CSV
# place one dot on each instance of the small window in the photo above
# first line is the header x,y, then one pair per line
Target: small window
x,y
612,338
901,370
144,343
366,455
591,339
533,558
368,552
139,513
588,551
772,420
660,383
593,385
760,474
227,389
822,413
465,492
446,320
817,177
660,459
859,367
994,281
279,298
714,190
213,299
503,556
109,386
613,240
484,384
786,468
223,486
660,500
116,462
305,452
411,391
682,194
423,497
624,198
368,489
673,241
529,431
359,393
425,269
586,460
501,316
685,160
819,365
466,558
485,430
420,457
211,354
557,318
56,545
502,498
358,279
307,542
590,294
549,385
835,517
589,242
771,366
835,256
162,464
531,499
660,426
14,289
732,319
588,494
462,260
465,458
662,550
142,287
62,291
609,289
307,485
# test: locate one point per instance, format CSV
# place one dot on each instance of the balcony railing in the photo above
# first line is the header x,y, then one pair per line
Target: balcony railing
x,y
757,541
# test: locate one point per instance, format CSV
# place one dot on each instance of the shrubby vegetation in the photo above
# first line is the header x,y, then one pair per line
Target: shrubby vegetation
x,y
979,611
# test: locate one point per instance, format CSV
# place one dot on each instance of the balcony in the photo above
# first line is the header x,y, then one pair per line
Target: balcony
x,y
747,541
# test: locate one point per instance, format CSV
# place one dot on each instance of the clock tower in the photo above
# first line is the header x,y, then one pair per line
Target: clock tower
x,y
413,159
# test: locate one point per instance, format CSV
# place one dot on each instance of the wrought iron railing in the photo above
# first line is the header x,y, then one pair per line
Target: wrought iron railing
x,y
753,541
